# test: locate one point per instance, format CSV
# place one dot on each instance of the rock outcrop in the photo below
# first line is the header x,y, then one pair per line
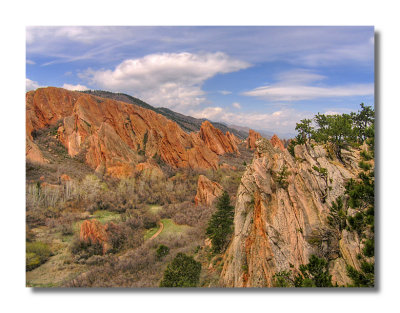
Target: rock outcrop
x,y
277,143
114,136
251,140
207,191
216,140
93,232
281,221
232,138
149,170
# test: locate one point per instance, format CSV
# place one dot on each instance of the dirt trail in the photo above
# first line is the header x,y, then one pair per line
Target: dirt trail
x,y
158,231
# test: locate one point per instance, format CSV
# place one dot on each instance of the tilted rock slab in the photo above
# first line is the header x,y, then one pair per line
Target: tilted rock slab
x,y
112,134
207,191
277,227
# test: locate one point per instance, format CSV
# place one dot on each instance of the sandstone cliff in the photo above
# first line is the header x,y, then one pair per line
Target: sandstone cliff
x,y
279,223
216,140
277,143
207,191
251,140
115,136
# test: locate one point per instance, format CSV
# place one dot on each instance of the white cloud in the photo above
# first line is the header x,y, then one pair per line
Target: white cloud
x,y
283,121
236,105
77,87
225,92
331,113
31,85
305,85
173,80
30,62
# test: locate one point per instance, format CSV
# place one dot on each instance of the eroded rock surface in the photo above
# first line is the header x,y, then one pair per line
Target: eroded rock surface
x,y
277,143
114,136
216,140
251,140
279,225
207,191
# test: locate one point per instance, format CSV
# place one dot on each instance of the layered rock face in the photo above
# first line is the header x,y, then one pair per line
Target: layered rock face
x,y
281,220
207,191
232,138
216,140
277,143
112,135
251,140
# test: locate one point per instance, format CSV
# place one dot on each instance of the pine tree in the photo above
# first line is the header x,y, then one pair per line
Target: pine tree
x,y
220,225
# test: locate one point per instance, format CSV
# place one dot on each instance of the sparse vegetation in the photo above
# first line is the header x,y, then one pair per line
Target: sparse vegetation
x,y
36,254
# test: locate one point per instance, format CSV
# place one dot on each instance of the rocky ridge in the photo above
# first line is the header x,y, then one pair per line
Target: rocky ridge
x,y
281,221
115,136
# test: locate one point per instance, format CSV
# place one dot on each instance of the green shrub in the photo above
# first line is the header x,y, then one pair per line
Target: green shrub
x,y
369,248
162,251
314,274
183,271
36,254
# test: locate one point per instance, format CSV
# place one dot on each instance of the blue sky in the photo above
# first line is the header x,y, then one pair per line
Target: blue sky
x,y
265,78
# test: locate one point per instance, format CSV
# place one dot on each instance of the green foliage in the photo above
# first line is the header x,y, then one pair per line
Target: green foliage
x,y
162,251
369,248
314,274
220,224
337,131
282,177
305,130
36,254
356,222
283,279
363,278
337,215
183,271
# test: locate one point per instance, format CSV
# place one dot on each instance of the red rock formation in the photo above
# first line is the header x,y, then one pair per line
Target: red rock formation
x,y
92,231
216,140
277,143
274,223
112,134
251,140
207,191
149,170
232,138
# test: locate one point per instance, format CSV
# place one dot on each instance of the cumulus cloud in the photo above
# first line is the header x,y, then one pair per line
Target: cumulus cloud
x,y
225,92
77,87
30,62
173,80
283,120
236,105
305,85
31,85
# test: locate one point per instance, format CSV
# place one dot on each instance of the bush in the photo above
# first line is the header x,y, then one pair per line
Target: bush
x,y
36,254
183,271
162,251
84,250
314,274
